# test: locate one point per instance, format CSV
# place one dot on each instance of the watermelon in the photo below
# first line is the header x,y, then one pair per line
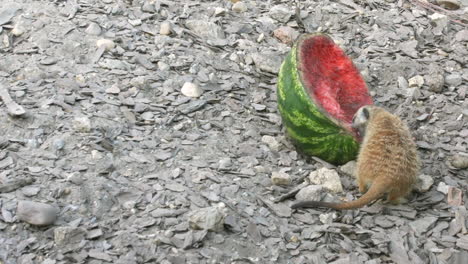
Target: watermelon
x,y
319,90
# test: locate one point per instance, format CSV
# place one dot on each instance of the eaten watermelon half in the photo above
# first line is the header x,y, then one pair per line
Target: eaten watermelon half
x,y
319,90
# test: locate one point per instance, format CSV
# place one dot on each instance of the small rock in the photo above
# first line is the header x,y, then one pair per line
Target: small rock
x,y
114,89
225,163
191,90
267,62
107,44
94,233
449,4
280,178
439,22
310,193
205,29
82,124
18,30
424,183
287,35
165,28
135,22
58,144
76,178
328,218
453,79
423,224
30,190
36,213
460,161
147,116
409,48
435,82
349,168
328,178
211,218
97,254
443,188
93,29
462,35
239,7
148,7
259,107
454,196
416,81
281,13
272,143
162,66
65,236
219,11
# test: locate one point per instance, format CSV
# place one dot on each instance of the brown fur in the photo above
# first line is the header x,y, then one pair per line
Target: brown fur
x,y
388,162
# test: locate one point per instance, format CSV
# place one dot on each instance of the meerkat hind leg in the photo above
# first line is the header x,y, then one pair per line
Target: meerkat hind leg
x,y
396,197
363,186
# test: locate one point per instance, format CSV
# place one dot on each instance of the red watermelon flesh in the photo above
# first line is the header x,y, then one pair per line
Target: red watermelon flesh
x,y
332,79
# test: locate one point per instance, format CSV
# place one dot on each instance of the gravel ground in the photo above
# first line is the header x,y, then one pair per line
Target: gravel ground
x,y
148,132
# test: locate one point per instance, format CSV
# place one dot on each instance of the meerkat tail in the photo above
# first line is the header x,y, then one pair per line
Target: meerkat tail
x,y
375,192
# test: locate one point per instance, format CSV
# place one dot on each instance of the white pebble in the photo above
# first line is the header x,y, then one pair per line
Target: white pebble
x,y
280,178
191,90
424,183
163,66
17,30
82,124
239,7
443,188
107,44
328,178
114,89
271,142
416,81
165,28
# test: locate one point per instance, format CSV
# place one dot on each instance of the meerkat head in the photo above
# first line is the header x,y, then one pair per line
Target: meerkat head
x,y
361,119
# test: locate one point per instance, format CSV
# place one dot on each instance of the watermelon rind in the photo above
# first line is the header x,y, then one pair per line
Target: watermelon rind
x,y
310,128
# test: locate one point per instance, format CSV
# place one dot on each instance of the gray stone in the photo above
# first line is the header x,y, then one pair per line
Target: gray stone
x,y
69,238
435,82
272,143
82,124
36,213
267,62
280,178
453,79
422,225
328,178
281,13
310,193
239,7
211,218
93,29
424,183
460,161
349,168
205,29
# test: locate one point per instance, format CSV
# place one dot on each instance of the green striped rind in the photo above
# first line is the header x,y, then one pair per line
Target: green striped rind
x,y
313,132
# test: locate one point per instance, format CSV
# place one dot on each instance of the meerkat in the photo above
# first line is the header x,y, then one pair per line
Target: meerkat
x,y
387,163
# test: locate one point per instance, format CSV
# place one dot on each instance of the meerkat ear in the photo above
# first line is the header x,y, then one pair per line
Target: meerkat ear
x,y
366,113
